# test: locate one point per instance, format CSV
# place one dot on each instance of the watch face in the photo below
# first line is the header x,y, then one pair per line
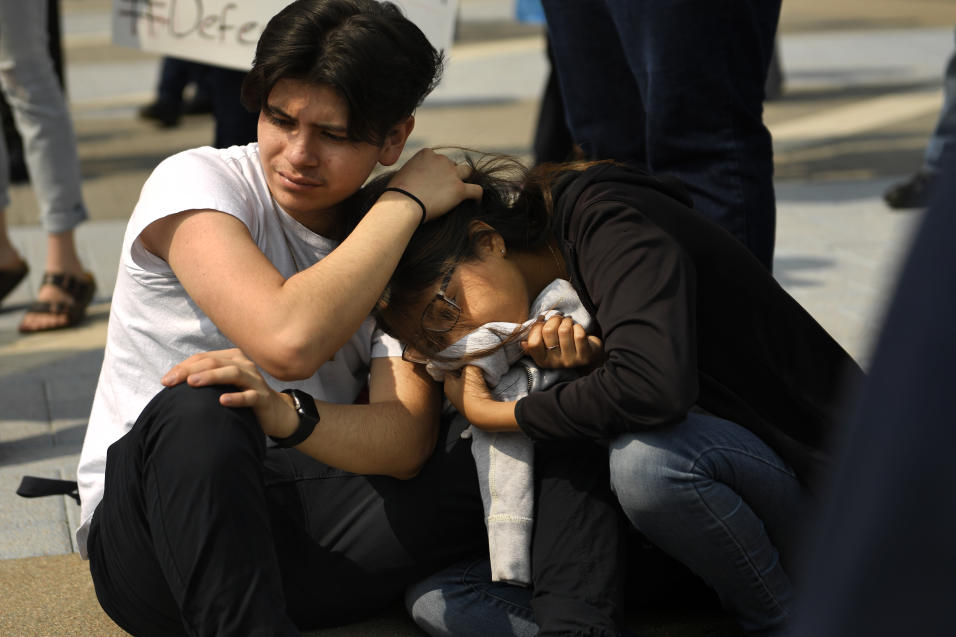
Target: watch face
x,y
304,403
308,418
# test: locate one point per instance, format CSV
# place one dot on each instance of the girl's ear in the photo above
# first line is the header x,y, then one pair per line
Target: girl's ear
x,y
486,241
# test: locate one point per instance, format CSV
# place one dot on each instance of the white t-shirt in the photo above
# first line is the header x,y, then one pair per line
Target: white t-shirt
x,y
154,324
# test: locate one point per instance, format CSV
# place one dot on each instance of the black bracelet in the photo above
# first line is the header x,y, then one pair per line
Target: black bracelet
x,y
412,197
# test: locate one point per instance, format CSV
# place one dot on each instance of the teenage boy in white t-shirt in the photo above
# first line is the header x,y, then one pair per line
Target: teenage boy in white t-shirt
x,y
190,521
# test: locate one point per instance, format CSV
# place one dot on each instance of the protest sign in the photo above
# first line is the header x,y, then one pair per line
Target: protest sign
x,y
224,32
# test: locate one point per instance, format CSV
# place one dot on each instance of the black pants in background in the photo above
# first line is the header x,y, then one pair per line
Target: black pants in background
x,y
203,530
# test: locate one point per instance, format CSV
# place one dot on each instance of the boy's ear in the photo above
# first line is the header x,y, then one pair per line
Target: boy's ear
x,y
395,140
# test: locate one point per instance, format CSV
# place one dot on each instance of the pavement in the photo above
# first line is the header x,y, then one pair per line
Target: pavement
x,y
861,95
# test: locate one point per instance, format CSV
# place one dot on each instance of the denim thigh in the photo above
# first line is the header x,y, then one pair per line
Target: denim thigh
x,y
718,499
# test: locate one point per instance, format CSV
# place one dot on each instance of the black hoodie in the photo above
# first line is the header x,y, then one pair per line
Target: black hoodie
x,y
688,317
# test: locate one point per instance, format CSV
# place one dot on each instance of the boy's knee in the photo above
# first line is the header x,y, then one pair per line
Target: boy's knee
x,y
191,418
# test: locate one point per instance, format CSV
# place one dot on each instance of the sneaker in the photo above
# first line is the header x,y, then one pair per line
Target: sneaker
x,y
915,192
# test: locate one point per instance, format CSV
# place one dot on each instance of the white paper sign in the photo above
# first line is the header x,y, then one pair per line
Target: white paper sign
x,y
224,32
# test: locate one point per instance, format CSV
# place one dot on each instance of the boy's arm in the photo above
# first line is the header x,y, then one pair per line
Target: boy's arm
x,y
392,435
290,327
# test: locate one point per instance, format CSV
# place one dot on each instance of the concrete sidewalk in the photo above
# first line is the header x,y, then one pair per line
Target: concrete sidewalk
x,y
838,249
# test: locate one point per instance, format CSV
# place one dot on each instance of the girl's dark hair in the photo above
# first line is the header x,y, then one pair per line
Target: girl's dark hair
x,y
516,203
379,62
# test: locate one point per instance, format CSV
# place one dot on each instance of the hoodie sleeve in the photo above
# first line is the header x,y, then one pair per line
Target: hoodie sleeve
x,y
642,285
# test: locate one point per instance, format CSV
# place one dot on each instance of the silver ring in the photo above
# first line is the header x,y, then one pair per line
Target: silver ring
x,y
554,347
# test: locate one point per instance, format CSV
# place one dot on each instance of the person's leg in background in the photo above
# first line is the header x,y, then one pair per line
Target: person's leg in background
x,y
917,191
18,169
702,70
943,140
714,497
32,89
175,74
600,96
235,126
677,87
552,139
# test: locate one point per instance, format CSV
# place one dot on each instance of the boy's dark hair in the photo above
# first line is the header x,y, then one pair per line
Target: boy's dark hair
x,y
381,64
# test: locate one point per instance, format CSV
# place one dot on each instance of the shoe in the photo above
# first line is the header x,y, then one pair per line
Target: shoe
x,y
166,115
915,192
10,279
79,289
198,105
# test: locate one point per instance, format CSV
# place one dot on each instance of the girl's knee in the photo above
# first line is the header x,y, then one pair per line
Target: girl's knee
x,y
647,475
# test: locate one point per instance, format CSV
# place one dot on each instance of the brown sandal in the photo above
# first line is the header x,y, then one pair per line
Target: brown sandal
x,y
10,279
79,289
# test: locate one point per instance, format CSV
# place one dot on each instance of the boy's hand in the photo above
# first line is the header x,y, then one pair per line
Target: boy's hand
x,y
274,411
436,180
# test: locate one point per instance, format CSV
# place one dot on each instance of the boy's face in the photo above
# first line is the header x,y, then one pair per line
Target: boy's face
x,y
309,162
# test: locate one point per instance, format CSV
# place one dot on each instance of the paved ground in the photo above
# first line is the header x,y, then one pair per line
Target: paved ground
x,y
861,96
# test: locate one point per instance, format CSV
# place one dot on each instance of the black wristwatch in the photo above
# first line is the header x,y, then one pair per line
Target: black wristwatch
x,y
308,418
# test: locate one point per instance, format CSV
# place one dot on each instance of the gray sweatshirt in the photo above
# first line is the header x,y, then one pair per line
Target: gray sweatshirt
x,y
505,459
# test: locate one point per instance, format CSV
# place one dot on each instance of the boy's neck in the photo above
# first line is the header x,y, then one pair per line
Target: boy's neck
x,y
326,223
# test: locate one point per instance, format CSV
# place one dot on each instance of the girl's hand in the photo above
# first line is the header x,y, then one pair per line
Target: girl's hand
x,y
470,396
274,411
560,343
436,180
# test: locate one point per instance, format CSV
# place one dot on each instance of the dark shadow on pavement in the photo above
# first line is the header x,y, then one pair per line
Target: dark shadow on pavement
x,y
42,446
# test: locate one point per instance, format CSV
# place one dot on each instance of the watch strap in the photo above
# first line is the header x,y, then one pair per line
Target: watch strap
x,y
308,419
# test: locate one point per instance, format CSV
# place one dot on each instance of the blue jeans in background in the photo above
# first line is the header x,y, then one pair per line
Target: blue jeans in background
x,y
676,86
943,138
706,491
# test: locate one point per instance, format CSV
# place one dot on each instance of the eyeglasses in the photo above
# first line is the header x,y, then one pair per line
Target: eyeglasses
x,y
442,313
412,355
439,317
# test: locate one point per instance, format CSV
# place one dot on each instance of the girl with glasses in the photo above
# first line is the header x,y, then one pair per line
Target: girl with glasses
x,y
715,392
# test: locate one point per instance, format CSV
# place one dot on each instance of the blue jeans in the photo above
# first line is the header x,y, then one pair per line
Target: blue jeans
x,y
706,491
676,86
39,109
943,138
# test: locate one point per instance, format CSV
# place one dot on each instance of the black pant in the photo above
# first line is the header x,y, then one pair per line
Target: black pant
x,y
203,530
235,126
578,544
